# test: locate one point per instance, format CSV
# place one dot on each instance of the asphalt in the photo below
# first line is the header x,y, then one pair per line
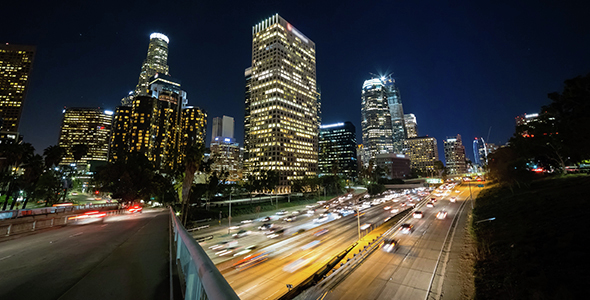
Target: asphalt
x,y
126,257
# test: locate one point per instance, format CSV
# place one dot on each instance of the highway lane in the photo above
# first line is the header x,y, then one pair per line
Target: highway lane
x,y
406,273
268,280
126,257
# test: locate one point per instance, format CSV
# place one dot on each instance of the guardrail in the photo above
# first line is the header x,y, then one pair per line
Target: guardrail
x,y
202,280
12,214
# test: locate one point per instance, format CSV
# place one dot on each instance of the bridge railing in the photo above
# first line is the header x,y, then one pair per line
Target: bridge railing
x,y
202,279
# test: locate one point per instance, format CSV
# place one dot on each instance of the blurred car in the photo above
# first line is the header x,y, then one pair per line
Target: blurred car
x,y
295,212
389,245
322,218
321,231
457,191
276,234
282,212
402,204
441,215
265,219
74,194
265,226
417,215
310,212
432,200
135,209
406,228
87,217
429,204
387,207
246,221
453,199
251,260
241,233
290,219
411,204
394,210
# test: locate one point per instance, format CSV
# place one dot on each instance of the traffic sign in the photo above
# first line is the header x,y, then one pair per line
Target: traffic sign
x,y
480,185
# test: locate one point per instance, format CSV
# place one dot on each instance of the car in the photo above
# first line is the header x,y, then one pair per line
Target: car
x,y
265,219
411,204
387,207
457,191
441,215
87,217
389,245
403,204
429,204
295,212
453,199
265,226
406,228
394,210
322,218
310,212
290,219
432,200
135,209
282,212
417,215
241,233
74,194
320,232
276,234
246,221
251,260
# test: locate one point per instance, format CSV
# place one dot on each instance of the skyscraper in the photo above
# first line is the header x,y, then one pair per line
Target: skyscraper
x,y
16,62
282,133
223,127
85,126
376,118
337,151
120,132
155,62
411,125
480,152
455,155
423,154
396,110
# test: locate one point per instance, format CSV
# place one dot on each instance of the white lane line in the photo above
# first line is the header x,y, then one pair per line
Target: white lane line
x,y
3,258
77,234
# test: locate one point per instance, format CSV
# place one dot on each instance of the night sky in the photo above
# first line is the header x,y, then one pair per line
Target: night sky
x,y
461,66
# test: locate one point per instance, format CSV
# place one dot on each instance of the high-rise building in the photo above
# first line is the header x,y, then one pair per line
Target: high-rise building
x,y
455,155
226,158
248,77
120,132
396,165
411,125
382,116
155,62
337,151
423,154
223,127
480,152
363,156
282,113
16,62
85,126
193,129
526,119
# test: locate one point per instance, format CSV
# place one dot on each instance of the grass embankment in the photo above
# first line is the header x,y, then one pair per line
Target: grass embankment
x,y
537,247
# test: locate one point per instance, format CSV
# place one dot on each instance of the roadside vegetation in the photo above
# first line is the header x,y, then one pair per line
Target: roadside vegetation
x,y
536,248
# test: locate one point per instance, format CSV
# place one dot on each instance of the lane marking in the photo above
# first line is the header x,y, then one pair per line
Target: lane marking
x,y
77,234
3,258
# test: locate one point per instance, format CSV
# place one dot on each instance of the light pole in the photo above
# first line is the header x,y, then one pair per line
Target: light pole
x,y
229,218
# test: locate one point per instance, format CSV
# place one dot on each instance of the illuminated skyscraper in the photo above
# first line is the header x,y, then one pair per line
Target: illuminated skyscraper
x,y
411,125
480,152
396,110
282,112
120,132
223,127
423,154
16,62
376,118
155,62
85,126
193,129
337,152
455,155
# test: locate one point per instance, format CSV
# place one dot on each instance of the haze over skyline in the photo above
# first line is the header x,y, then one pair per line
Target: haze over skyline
x,y
461,67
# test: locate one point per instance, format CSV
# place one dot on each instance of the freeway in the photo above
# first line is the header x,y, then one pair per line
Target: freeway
x,y
124,257
408,272
293,259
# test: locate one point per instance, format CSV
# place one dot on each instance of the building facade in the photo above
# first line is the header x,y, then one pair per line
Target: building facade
x,y
423,154
480,152
396,165
222,127
396,110
85,126
337,150
16,63
226,158
282,103
155,62
411,126
120,132
455,155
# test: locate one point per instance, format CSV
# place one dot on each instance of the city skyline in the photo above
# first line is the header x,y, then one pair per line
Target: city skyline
x,y
434,65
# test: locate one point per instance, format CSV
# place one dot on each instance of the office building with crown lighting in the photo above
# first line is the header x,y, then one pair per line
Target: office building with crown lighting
x,y
455,155
155,62
382,115
16,63
85,126
411,125
337,150
423,154
282,104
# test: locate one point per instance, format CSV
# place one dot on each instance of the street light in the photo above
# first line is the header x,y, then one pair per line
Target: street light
x,y
485,220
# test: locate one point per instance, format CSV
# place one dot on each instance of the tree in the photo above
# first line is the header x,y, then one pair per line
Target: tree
x,y
79,151
33,171
192,161
375,189
12,157
440,168
53,156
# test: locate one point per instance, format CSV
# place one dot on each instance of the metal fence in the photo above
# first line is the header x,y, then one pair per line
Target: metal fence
x,y
201,278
